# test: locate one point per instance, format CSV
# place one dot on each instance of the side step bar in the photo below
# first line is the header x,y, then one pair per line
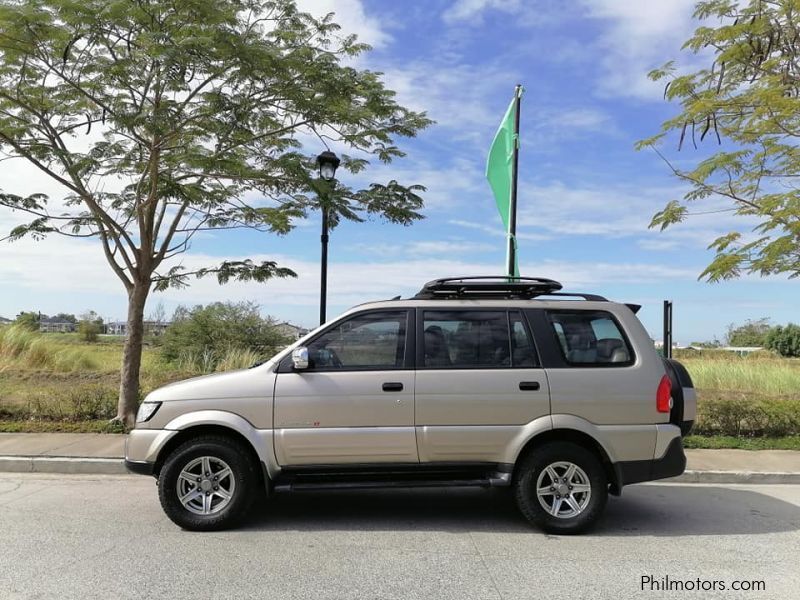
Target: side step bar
x,y
308,483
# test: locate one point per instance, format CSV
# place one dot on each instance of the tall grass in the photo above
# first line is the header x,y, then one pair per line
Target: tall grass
x,y
759,377
22,348
209,361
754,396
237,358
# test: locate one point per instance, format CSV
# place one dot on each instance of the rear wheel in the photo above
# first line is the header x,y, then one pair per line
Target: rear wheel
x,y
561,487
207,483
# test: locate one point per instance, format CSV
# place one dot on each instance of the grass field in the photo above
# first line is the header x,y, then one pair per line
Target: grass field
x,y
56,382
46,379
768,377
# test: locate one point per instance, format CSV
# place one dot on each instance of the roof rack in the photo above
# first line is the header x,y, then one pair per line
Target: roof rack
x,y
495,286
488,286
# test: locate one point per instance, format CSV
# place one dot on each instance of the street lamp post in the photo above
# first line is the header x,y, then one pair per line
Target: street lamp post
x,y
327,162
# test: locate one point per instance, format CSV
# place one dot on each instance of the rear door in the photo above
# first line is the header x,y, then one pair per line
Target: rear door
x,y
594,369
479,380
355,402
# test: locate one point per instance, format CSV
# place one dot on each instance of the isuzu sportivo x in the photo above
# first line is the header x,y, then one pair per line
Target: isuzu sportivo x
x,y
479,381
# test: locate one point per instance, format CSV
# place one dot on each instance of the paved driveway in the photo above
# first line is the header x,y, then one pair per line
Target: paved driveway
x,y
105,537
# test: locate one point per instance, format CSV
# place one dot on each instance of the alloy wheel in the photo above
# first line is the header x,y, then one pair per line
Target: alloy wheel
x,y
206,485
563,489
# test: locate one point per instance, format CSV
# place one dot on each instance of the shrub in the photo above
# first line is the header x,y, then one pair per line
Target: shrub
x,y
748,417
79,402
784,340
202,336
28,321
752,333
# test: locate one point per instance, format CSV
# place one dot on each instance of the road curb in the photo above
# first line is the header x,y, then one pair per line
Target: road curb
x,y
751,477
115,466
62,464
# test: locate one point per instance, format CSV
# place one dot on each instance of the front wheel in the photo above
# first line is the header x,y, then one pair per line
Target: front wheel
x,y
207,483
561,487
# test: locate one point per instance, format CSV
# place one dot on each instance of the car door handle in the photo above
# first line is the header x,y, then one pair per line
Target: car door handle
x,y
392,386
529,385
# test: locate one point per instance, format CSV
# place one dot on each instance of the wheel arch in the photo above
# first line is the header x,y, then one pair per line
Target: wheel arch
x,y
258,443
580,438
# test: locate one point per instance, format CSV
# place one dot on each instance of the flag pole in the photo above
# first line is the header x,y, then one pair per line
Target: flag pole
x,y
512,217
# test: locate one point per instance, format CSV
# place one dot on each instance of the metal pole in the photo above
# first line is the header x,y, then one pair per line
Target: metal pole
x,y
512,218
323,279
667,328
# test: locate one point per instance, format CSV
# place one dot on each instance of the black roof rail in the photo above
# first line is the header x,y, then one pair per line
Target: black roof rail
x,y
488,286
593,297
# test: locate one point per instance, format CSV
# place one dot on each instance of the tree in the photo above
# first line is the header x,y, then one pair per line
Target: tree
x,y
784,340
751,334
66,317
90,326
164,118
29,320
746,102
217,328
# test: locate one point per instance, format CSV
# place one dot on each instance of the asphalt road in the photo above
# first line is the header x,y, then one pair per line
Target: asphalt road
x,y
88,537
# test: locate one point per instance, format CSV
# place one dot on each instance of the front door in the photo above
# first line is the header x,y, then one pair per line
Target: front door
x,y
355,402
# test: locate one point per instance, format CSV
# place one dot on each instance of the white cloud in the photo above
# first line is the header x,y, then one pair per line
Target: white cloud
x,y
524,12
425,248
542,133
639,37
459,97
351,16
619,211
499,232
471,10
51,271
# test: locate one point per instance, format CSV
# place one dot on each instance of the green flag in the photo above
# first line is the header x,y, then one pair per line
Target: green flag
x,y
499,168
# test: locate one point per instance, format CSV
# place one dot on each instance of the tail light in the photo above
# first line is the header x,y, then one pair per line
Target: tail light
x,y
664,395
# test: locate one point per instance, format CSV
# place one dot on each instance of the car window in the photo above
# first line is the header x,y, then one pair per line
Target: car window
x,y
370,341
590,338
466,339
522,351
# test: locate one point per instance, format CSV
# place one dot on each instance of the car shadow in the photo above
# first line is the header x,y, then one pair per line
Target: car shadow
x,y
651,510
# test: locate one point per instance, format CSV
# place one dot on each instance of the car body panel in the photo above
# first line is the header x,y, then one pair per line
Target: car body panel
x,y
466,414
336,417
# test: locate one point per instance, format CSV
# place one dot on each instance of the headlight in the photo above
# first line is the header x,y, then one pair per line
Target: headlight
x,y
146,411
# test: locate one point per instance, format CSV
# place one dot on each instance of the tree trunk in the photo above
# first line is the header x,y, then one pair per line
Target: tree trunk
x,y
132,355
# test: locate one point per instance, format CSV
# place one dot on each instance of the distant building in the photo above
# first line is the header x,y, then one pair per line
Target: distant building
x,y
150,328
741,350
55,325
659,344
293,332
4,321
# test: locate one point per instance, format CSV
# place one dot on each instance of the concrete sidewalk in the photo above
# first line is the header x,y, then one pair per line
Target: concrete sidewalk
x,y
101,453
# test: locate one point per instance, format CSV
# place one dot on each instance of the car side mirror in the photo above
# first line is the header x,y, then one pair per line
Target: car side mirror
x,y
300,358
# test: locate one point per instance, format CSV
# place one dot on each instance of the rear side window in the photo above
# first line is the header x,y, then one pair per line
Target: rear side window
x,y
590,338
463,339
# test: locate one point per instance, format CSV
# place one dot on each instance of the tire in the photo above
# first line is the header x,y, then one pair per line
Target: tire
x,y
679,378
557,456
207,509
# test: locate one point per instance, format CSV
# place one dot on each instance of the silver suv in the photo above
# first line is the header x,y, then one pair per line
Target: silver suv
x,y
475,381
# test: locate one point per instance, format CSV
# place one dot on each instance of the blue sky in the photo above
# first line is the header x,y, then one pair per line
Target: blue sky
x,y
586,196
